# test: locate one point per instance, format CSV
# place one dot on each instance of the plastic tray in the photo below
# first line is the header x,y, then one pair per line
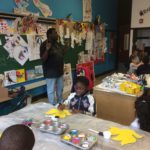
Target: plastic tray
x,y
58,129
89,140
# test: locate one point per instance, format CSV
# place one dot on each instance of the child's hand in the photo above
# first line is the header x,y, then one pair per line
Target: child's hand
x,y
61,107
75,111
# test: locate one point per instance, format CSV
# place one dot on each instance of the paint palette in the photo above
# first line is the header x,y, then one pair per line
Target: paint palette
x,y
79,139
53,127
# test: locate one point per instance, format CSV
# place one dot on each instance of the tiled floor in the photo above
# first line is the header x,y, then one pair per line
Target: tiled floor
x,y
97,81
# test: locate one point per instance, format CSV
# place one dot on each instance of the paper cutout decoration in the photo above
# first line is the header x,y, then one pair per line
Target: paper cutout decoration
x,y
20,75
34,42
61,34
22,3
125,136
45,10
59,113
22,7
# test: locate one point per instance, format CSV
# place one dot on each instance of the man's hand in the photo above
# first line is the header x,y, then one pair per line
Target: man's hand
x,y
48,46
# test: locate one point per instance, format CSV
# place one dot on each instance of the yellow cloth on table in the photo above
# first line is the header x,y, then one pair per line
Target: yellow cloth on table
x,y
130,87
125,136
60,113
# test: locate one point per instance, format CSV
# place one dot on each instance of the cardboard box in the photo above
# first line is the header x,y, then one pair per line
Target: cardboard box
x,y
4,94
115,107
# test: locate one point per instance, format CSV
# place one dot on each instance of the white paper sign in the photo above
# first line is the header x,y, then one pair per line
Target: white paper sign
x,y
140,13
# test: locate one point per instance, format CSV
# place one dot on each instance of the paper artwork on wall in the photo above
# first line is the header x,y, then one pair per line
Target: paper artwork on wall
x,y
9,77
38,71
26,25
45,10
42,29
20,74
6,26
22,7
89,41
67,78
17,48
30,74
34,42
87,10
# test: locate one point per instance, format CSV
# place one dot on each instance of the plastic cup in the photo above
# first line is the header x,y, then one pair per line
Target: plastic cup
x,y
106,134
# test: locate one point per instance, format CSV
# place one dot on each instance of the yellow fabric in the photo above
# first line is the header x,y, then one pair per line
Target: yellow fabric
x,y
125,136
130,88
60,113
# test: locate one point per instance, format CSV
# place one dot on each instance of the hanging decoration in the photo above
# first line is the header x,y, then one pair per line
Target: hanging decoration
x,y
92,34
45,10
26,24
87,10
100,40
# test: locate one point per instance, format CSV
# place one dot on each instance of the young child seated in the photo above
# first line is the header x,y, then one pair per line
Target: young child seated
x,y
134,64
81,101
17,137
142,106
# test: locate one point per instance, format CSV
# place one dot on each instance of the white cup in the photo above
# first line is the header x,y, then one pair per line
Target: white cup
x,y
106,134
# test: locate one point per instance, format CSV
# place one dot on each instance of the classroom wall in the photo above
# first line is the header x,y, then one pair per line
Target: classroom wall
x,y
107,9
60,8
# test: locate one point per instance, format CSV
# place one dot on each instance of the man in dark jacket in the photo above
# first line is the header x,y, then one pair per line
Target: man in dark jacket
x,y
53,64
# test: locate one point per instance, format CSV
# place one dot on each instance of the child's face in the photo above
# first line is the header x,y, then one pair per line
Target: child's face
x,y
80,88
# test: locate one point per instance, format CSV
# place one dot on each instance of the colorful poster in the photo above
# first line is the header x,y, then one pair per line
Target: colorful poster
x,y
10,77
87,70
34,42
20,74
87,10
30,74
67,78
6,26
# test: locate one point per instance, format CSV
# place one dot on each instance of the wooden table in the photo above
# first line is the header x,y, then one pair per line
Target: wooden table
x,y
114,106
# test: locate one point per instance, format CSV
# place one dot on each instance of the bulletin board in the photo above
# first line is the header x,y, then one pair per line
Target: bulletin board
x,y
6,63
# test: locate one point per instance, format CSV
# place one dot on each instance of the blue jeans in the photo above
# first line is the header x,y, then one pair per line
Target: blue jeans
x,y
52,85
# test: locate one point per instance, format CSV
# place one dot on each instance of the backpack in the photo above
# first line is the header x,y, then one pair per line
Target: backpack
x,y
142,106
